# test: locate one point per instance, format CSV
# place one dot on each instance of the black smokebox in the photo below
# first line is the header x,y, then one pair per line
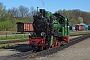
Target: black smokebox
x,y
42,11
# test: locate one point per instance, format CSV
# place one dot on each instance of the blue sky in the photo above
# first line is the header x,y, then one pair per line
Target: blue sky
x,y
50,5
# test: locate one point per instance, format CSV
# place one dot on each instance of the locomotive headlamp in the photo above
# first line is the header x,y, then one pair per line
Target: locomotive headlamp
x,y
66,19
43,33
31,34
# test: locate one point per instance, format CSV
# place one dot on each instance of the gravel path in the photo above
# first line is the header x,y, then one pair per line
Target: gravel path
x,y
79,51
6,52
22,47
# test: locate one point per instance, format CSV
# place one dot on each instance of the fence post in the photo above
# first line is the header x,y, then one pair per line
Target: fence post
x,y
15,34
24,35
6,35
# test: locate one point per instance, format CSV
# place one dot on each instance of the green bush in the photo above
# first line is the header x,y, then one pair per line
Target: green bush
x,y
6,25
10,25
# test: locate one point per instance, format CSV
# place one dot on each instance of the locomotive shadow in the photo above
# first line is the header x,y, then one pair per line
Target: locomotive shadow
x,y
21,48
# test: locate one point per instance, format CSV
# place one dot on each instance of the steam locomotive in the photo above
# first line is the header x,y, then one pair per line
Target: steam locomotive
x,y
50,30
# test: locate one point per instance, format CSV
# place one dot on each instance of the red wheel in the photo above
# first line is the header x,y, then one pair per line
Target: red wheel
x,y
42,48
68,39
58,43
53,46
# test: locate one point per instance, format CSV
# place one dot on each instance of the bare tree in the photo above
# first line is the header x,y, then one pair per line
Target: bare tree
x,y
32,11
3,14
23,11
2,6
13,12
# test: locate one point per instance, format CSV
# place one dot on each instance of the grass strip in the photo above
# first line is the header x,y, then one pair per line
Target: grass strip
x,y
13,37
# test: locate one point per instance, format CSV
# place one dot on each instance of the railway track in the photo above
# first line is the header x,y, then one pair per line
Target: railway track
x,y
77,34
20,40
28,55
13,41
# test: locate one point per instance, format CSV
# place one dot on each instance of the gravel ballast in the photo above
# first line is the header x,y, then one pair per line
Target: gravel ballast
x,y
79,51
